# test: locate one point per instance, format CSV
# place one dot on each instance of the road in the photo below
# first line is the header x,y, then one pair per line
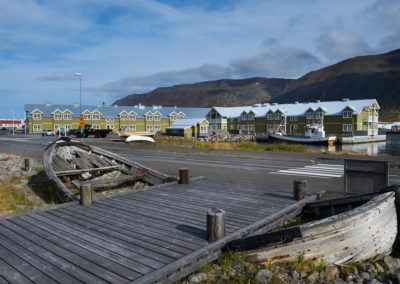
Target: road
x,y
272,169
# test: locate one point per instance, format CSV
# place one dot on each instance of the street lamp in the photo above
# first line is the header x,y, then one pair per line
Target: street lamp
x,y
80,97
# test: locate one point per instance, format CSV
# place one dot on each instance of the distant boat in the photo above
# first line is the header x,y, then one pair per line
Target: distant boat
x,y
314,134
70,164
133,138
125,134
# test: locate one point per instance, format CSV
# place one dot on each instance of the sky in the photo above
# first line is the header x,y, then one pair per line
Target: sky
x,y
122,47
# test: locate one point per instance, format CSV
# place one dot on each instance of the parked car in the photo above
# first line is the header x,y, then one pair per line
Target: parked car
x,y
48,132
72,131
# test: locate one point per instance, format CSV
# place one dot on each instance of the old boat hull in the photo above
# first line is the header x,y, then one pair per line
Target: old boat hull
x,y
125,134
356,235
80,164
303,140
134,138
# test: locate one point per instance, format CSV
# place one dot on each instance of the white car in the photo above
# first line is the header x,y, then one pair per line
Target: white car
x,y
48,132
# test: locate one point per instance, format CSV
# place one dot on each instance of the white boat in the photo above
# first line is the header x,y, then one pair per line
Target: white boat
x,y
358,234
134,138
314,134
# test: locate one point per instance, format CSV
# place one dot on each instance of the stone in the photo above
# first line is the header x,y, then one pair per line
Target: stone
x,y
391,263
365,275
395,277
263,276
374,281
332,271
379,268
295,274
313,276
359,280
196,278
303,274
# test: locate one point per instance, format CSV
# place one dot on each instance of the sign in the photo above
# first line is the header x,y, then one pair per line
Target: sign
x,y
62,129
82,122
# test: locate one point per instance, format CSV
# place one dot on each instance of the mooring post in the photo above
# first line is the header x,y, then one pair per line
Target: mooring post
x,y
299,189
86,194
184,176
27,166
215,224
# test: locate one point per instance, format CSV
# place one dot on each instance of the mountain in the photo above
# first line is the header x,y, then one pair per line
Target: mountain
x,y
373,76
224,92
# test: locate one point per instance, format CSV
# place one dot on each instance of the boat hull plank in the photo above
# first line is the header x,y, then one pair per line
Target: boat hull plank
x,y
358,234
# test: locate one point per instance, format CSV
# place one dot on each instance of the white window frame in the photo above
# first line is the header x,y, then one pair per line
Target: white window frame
x,y
123,117
231,127
57,127
96,126
250,127
157,127
157,117
87,117
149,117
172,117
244,116
124,127
95,116
132,127
37,127
110,126
68,127
278,116
250,116
37,116
309,115
57,116
244,127
67,116
347,127
293,118
110,119
270,116
149,127
132,117
270,127
203,128
347,114
319,114
239,127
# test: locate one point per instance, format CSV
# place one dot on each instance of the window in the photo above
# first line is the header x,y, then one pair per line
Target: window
x,y
244,116
37,116
124,127
149,127
250,117
239,127
278,116
57,116
132,117
110,119
123,117
203,128
172,117
87,116
270,116
110,126
96,116
347,128
57,127
309,115
37,127
250,127
319,114
347,114
231,127
270,127
96,126
157,127
244,127
293,118
132,127
68,127
157,117
149,117
67,117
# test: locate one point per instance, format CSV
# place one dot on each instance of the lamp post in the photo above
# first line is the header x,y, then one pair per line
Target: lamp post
x,y
80,98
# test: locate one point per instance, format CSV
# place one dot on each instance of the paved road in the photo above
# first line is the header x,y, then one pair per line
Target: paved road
x,y
278,170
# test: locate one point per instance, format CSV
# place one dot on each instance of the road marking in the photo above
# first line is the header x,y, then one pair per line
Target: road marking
x,y
317,171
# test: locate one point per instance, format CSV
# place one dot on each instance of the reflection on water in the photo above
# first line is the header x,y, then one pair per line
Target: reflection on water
x,y
390,147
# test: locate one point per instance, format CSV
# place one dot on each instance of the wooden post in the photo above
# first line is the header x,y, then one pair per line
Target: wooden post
x,y
300,189
27,166
86,194
215,224
184,176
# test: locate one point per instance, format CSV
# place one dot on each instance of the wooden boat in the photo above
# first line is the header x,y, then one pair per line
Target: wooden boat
x,y
70,164
125,134
314,134
353,235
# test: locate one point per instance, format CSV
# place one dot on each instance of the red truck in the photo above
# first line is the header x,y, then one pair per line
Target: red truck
x,y
98,133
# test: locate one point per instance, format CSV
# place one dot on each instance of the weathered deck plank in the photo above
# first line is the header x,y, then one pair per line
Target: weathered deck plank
x,y
154,234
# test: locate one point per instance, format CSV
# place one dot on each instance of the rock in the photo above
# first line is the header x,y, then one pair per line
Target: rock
x,y
379,268
374,281
332,271
370,267
263,276
313,276
391,263
303,274
295,274
365,275
395,277
196,278
359,280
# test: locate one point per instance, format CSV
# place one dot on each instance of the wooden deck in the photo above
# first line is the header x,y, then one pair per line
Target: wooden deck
x,y
154,234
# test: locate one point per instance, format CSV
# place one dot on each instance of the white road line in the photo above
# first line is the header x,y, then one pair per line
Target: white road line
x,y
319,171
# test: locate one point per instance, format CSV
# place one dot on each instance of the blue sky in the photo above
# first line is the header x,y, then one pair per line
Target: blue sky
x,y
126,46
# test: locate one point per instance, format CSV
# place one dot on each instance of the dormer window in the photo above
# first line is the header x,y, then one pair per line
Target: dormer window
x,y
149,117
157,117
87,116
123,117
96,116
172,117
67,117
270,116
57,116
132,117
309,115
250,117
278,116
347,114
244,116
319,114
37,116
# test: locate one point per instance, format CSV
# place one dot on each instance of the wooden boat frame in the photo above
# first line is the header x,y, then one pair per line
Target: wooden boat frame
x,y
101,161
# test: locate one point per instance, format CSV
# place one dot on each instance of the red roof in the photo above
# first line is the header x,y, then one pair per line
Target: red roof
x,y
6,121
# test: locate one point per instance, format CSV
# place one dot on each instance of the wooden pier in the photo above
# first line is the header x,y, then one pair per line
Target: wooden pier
x,y
143,236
